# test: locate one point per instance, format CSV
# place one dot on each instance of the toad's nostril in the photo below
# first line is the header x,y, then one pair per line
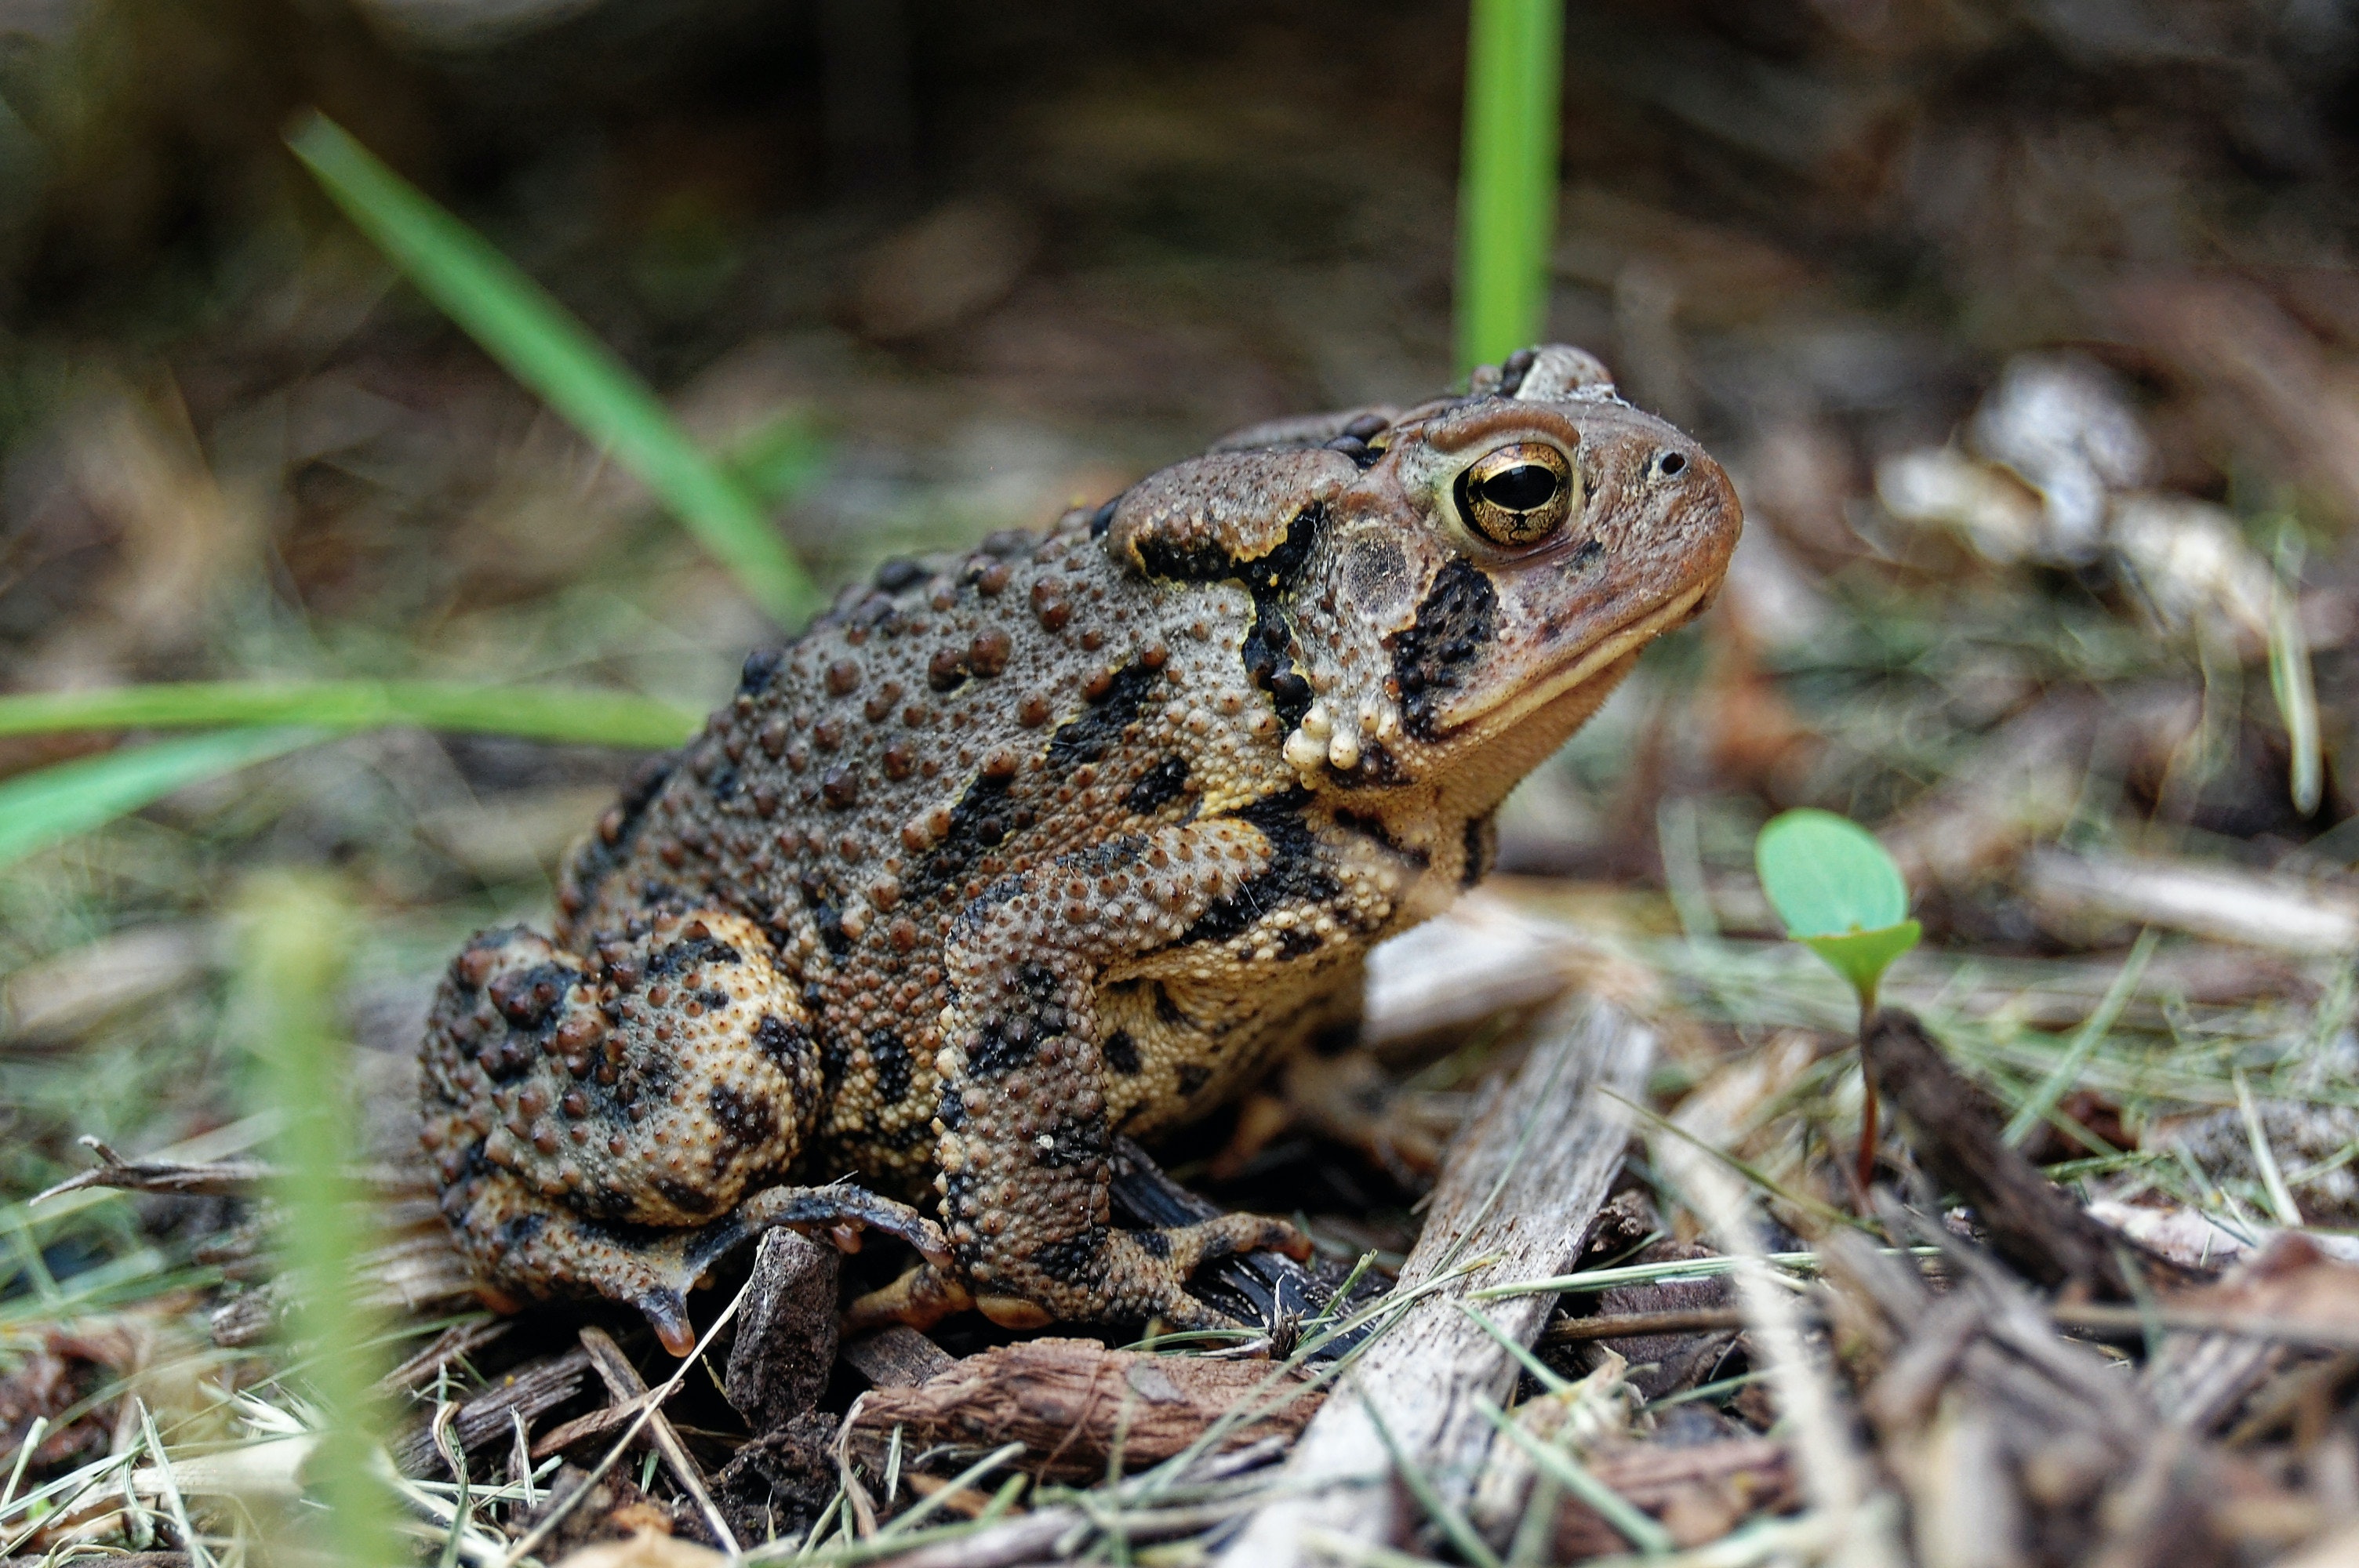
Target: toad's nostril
x,y
1670,465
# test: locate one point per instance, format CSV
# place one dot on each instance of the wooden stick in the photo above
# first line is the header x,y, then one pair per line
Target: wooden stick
x,y
2096,1319
627,1386
1517,1193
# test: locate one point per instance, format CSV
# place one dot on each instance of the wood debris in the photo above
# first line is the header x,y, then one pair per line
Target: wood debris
x,y
1075,1406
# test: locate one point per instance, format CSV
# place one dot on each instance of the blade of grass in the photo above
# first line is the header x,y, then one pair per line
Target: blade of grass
x,y
2290,680
53,804
297,939
1506,188
2265,1158
2086,1041
531,712
540,343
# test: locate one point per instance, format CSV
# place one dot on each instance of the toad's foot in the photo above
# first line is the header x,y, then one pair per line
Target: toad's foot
x,y
526,1245
1106,1276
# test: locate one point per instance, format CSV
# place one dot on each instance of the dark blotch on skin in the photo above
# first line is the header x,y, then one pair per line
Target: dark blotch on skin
x,y
1481,849
889,1060
1012,1038
1200,562
1073,1261
1074,1141
978,823
747,1120
1296,874
682,957
1267,651
686,1198
1164,782
1455,623
1098,732
1517,366
1154,1243
1121,1053
782,1040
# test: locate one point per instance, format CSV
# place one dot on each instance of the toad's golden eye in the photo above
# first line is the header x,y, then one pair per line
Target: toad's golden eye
x,y
1518,495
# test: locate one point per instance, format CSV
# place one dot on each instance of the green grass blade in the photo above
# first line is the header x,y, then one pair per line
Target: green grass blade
x,y
2060,1078
540,343
1506,188
536,713
298,939
53,804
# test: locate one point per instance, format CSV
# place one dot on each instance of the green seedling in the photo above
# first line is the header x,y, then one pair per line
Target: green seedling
x,y
1841,896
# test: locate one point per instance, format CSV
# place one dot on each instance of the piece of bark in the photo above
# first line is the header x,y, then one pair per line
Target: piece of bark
x,y
895,1356
1071,1400
1953,1128
1699,1492
531,1391
1521,1185
786,1332
1670,1359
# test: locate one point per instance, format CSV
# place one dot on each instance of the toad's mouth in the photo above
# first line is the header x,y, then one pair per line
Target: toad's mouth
x,y
1587,664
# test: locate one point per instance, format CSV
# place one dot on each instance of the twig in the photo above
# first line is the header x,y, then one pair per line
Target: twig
x,y
563,1506
2110,1322
623,1383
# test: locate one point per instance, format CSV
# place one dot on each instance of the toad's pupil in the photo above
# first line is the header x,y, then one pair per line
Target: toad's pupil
x,y
1523,488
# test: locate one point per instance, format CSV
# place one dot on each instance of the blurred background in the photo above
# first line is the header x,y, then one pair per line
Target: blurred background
x,y
2027,327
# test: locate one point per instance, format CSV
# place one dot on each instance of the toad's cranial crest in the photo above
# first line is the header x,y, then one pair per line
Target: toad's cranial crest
x,y
1067,836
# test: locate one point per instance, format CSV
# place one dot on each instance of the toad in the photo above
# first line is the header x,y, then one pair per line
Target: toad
x,y
1069,836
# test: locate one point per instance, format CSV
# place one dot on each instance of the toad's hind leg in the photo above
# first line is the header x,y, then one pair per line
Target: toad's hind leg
x,y
616,1123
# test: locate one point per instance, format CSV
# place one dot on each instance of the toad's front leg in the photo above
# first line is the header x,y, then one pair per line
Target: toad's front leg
x,y
1025,1125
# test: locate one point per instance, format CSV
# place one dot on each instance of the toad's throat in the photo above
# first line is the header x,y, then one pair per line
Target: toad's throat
x,y
1579,667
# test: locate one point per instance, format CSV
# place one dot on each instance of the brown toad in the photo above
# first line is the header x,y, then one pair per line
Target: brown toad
x,y
1067,836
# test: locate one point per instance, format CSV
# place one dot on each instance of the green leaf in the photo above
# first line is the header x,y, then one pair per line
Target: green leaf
x,y
1506,188
1826,875
1862,956
533,712
1839,893
519,324
49,806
